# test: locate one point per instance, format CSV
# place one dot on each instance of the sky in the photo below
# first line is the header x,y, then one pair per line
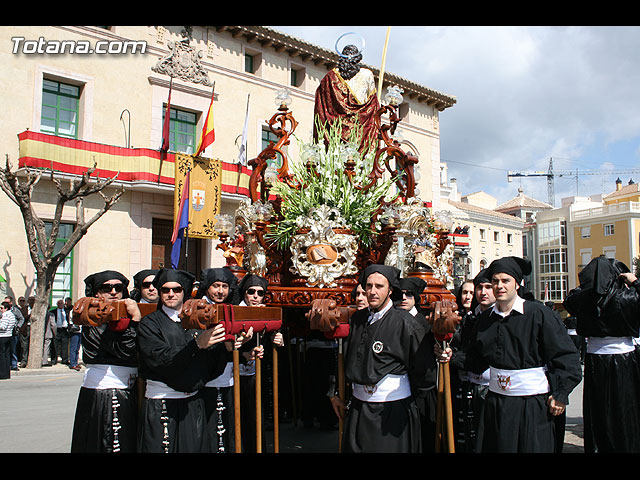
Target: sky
x,y
525,96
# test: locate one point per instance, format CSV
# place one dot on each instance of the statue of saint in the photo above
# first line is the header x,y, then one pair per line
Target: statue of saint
x,y
348,92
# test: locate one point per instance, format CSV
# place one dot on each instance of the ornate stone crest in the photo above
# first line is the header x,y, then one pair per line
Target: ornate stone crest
x,y
183,62
322,252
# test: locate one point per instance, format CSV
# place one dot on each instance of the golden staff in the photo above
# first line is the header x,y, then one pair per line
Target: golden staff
x,y
384,59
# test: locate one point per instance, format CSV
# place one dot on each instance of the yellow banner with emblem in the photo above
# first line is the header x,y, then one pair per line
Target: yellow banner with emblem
x,y
204,195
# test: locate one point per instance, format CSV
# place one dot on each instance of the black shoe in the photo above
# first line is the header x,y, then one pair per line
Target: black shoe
x,y
46,365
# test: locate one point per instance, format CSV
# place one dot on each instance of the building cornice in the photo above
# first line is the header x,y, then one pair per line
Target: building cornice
x,y
307,52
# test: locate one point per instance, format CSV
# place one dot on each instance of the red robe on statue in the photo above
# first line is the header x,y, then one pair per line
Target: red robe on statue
x,y
334,99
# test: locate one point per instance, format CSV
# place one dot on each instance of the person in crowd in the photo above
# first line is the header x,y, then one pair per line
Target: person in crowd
x,y
143,289
607,307
359,297
253,289
7,325
107,407
474,387
15,336
359,301
61,338
220,285
175,363
387,362
49,354
75,337
533,364
25,329
464,299
412,288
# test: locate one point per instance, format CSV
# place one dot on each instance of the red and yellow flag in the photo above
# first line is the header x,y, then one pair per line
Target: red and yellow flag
x,y
208,132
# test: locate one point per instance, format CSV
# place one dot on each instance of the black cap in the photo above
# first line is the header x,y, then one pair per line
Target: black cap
x,y
482,277
93,281
252,280
185,279
516,267
415,285
392,274
219,274
139,277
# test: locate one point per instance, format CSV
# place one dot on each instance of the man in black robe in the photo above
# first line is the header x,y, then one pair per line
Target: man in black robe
x,y
106,412
412,288
607,307
387,363
474,387
220,285
176,363
533,364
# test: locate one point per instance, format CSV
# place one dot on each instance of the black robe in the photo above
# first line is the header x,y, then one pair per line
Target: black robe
x,y
535,338
106,419
611,411
471,395
169,354
393,426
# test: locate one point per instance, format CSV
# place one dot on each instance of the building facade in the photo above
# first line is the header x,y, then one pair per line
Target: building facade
x,y
79,95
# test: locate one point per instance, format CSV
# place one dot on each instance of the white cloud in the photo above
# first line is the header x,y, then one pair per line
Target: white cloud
x,y
524,95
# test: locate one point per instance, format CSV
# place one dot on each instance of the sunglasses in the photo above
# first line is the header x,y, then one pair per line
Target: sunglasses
x,y
253,291
146,284
109,287
408,294
168,289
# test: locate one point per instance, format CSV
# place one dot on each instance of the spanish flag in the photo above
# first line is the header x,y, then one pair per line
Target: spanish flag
x,y
208,132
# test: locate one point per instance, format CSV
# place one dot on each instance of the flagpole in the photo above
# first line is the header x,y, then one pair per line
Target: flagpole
x,y
201,145
242,145
384,59
165,131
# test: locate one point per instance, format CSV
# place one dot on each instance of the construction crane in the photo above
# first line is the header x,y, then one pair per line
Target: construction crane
x,y
551,174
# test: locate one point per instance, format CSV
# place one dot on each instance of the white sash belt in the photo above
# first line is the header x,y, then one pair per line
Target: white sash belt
x,y
527,381
610,345
100,376
388,389
479,379
156,390
225,379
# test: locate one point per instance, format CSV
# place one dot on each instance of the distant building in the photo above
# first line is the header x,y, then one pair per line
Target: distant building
x,y
488,234
526,208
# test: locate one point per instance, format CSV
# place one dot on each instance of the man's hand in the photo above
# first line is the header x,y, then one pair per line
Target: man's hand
x,y
442,356
628,277
132,309
338,406
555,407
211,336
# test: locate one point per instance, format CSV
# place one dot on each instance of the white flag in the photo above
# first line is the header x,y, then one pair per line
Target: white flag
x,y
242,154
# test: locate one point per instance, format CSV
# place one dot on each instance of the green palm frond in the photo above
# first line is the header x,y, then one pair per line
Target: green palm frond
x,y
327,184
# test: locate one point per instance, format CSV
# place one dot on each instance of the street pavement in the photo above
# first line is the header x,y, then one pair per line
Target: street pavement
x,y
38,408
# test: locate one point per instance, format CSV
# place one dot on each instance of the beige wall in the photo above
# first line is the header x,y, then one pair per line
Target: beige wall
x,y
113,83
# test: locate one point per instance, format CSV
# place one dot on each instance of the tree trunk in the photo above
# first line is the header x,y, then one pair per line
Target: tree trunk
x,y
38,318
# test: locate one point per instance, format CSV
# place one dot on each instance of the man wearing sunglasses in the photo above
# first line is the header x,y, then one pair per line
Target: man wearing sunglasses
x,y
144,291
106,412
176,364
253,289
412,288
